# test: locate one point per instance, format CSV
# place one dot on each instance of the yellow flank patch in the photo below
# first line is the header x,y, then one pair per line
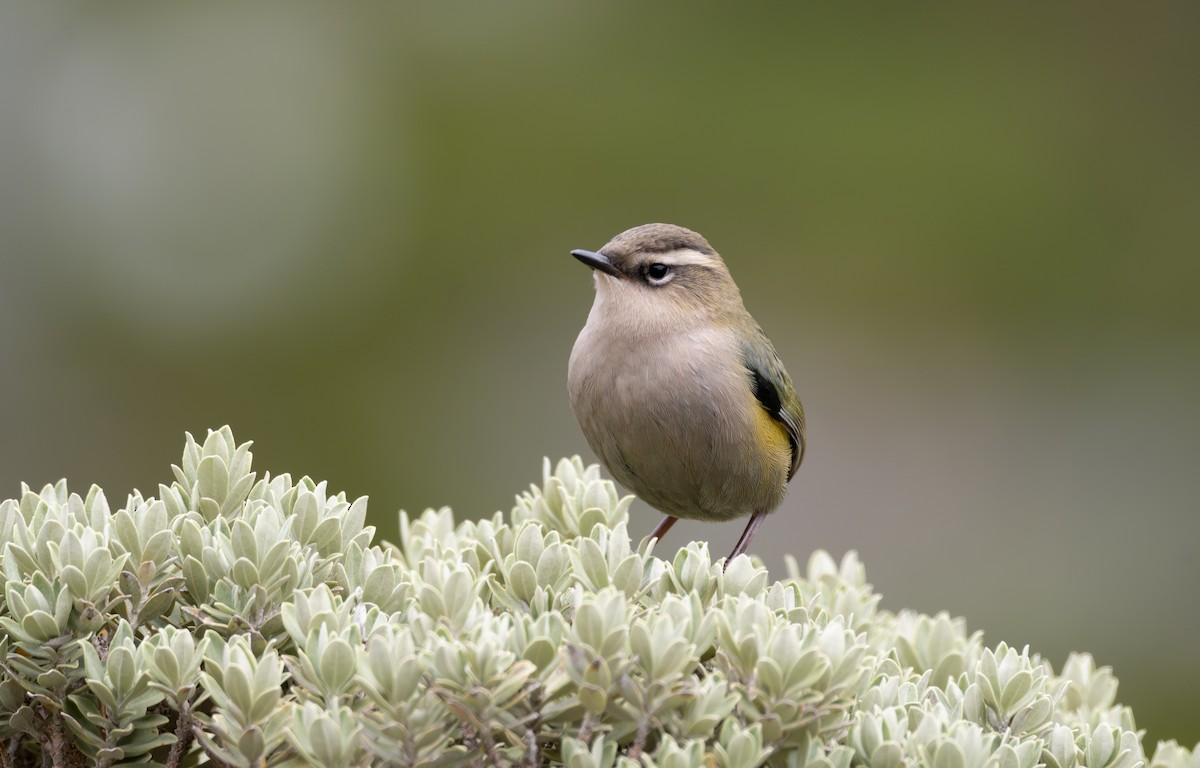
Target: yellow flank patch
x,y
772,435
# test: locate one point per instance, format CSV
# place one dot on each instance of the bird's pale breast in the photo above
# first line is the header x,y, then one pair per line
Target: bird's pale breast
x,y
674,420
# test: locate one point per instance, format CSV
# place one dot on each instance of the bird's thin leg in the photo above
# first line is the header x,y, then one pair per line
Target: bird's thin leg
x,y
663,527
748,534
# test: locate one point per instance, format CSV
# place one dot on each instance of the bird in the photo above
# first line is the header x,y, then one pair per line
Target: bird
x,y
676,388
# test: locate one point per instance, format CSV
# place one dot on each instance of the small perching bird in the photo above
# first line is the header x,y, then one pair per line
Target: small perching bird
x,y
675,386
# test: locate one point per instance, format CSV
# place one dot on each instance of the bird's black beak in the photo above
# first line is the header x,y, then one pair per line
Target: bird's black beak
x,y
596,261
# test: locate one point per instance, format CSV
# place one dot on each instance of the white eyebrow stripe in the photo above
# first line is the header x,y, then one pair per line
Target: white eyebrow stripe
x,y
682,256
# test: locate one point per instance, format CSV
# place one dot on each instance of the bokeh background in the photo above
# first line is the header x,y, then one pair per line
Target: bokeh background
x,y
973,234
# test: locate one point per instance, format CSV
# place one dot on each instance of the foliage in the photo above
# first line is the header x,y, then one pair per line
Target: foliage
x,y
246,622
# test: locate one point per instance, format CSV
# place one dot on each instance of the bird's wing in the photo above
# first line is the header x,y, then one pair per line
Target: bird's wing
x,y
773,390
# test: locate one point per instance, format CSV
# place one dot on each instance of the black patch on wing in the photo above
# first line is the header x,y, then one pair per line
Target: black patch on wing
x,y
765,393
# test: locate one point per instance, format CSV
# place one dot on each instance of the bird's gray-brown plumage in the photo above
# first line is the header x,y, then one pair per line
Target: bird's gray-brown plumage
x,y
675,386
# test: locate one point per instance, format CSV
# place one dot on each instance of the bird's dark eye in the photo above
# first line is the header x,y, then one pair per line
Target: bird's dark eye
x,y
657,273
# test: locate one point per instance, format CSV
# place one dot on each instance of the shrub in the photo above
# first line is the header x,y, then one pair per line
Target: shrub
x,y
245,621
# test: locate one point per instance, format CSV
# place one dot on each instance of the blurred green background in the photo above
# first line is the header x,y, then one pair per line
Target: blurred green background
x,y
973,234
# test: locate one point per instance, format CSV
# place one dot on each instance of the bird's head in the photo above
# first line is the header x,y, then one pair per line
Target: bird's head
x,y
661,271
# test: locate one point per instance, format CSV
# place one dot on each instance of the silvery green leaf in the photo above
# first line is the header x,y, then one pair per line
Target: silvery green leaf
x,y
196,578
12,695
602,496
889,754
324,737
85,728
18,562
158,547
522,580
1090,688
212,476
530,543
589,519
122,668
590,560
275,560
244,573
672,754
691,570
1028,752
511,682
742,576
600,754
327,534
23,721
243,540
1017,691
156,605
948,754
1034,717
336,665
1169,754
568,471
627,575
191,539
252,745
541,652
739,747
1059,749
40,626
354,519
552,564
712,703
48,680
76,582
1005,757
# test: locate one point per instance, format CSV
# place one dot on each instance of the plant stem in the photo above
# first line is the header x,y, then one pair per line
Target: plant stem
x,y
585,729
489,748
183,737
63,753
639,741
532,758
